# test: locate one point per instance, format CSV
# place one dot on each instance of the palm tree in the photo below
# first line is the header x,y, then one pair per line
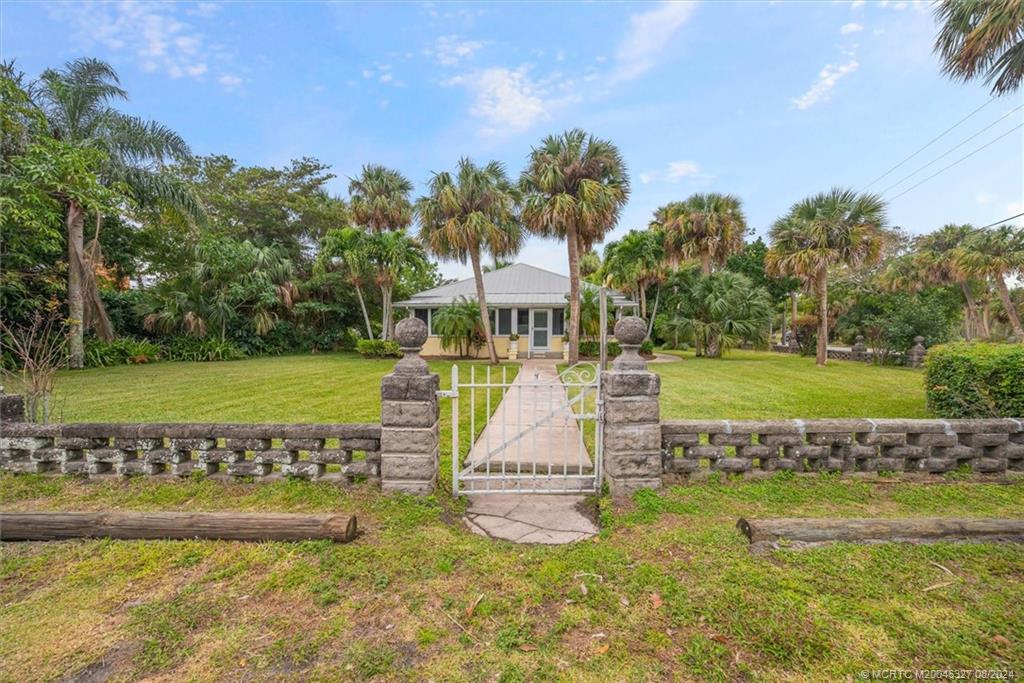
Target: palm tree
x,y
348,247
76,101
706,227
575,187
634,263
472,212
458,325
380,203
718,312
935,255
982,38
838,227
996,253
391,254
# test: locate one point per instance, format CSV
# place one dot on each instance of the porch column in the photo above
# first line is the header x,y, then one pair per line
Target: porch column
x,y
632,426
409,440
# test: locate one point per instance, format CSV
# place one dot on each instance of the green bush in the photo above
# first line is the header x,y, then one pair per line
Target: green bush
x,y
120,351
975,380
199,349
378,348
592,349
647,348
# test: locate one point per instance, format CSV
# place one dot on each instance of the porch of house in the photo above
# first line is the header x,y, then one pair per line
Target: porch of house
x,y
539,330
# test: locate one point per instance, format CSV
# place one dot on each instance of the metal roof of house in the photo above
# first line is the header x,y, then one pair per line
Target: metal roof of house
x,y
517,284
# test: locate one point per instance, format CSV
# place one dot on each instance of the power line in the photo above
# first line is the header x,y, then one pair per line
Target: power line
x,y
928,144
966,156
951,149
1001,221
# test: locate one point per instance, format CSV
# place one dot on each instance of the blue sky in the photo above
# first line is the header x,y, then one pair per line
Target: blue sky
x,y
769,101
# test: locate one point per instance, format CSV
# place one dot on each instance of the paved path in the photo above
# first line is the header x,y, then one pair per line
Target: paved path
x,y
532,428
525,518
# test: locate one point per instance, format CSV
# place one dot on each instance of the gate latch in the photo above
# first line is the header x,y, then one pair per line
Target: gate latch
x,y
449,393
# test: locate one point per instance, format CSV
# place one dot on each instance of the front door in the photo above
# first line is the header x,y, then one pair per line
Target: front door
x,y
541,327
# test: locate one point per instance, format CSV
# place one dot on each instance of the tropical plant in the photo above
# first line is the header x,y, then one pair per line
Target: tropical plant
x,y
467,214
379,202
935,262
705,227
378,348
346,248
76,101
575,187
634,263
230,281
982,38
458,324
838,227
590,312
720,311
995,254
390,255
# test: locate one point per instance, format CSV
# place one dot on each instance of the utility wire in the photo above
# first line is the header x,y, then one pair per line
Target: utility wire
x,y
951,150
990,225
963,158
928,144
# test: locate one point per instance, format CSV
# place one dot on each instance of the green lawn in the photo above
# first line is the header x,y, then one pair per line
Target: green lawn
x,y
667,591
760,385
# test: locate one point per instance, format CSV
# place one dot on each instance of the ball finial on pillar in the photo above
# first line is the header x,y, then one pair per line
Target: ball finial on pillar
x,y
630,332
411,335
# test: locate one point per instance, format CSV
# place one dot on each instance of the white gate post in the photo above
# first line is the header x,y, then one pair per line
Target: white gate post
x,y
632,426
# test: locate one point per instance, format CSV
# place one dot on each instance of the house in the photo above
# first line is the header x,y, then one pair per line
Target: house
x,y
523,300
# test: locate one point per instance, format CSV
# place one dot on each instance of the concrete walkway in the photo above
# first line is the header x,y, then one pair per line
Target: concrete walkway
x,y
532,430
525,518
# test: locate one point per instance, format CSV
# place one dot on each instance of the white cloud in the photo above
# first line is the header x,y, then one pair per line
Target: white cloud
x,y
674,172
821,90
856,4
647,38
508,100
386,78
852,27
151,32
230,81
984,198
450,50
1013,208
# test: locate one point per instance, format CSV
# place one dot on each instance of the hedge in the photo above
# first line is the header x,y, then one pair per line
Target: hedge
x,y
975,380
378,348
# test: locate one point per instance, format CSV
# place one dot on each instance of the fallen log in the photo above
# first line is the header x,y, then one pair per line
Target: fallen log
x,y
804,532
225,526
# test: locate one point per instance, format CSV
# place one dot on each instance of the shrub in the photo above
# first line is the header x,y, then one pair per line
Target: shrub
x,y
120,351
975,380
378,348
647,348
592,349
197,349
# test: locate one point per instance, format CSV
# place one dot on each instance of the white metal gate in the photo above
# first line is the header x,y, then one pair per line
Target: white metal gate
x,y
539,432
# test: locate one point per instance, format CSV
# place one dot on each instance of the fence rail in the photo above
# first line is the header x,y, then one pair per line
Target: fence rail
x,y
340,452
986,446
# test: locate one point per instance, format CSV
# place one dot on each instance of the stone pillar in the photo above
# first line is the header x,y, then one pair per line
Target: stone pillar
x,y
915,357
12,407
409,439
794,342
859,350
632,427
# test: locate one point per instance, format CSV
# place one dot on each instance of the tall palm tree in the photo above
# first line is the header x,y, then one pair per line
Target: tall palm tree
x,y
466,214
997,254
575,187
982,38
380,203
706,227
348,247
838,227
391,254
77,102
935,256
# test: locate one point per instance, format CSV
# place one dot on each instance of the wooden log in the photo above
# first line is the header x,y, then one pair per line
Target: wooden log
x,y
227,526
798,531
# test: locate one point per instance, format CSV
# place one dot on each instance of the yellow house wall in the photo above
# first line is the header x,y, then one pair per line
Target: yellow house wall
x,y
433,347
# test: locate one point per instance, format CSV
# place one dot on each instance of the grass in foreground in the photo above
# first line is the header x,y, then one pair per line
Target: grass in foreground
x,y
759,385
668,590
